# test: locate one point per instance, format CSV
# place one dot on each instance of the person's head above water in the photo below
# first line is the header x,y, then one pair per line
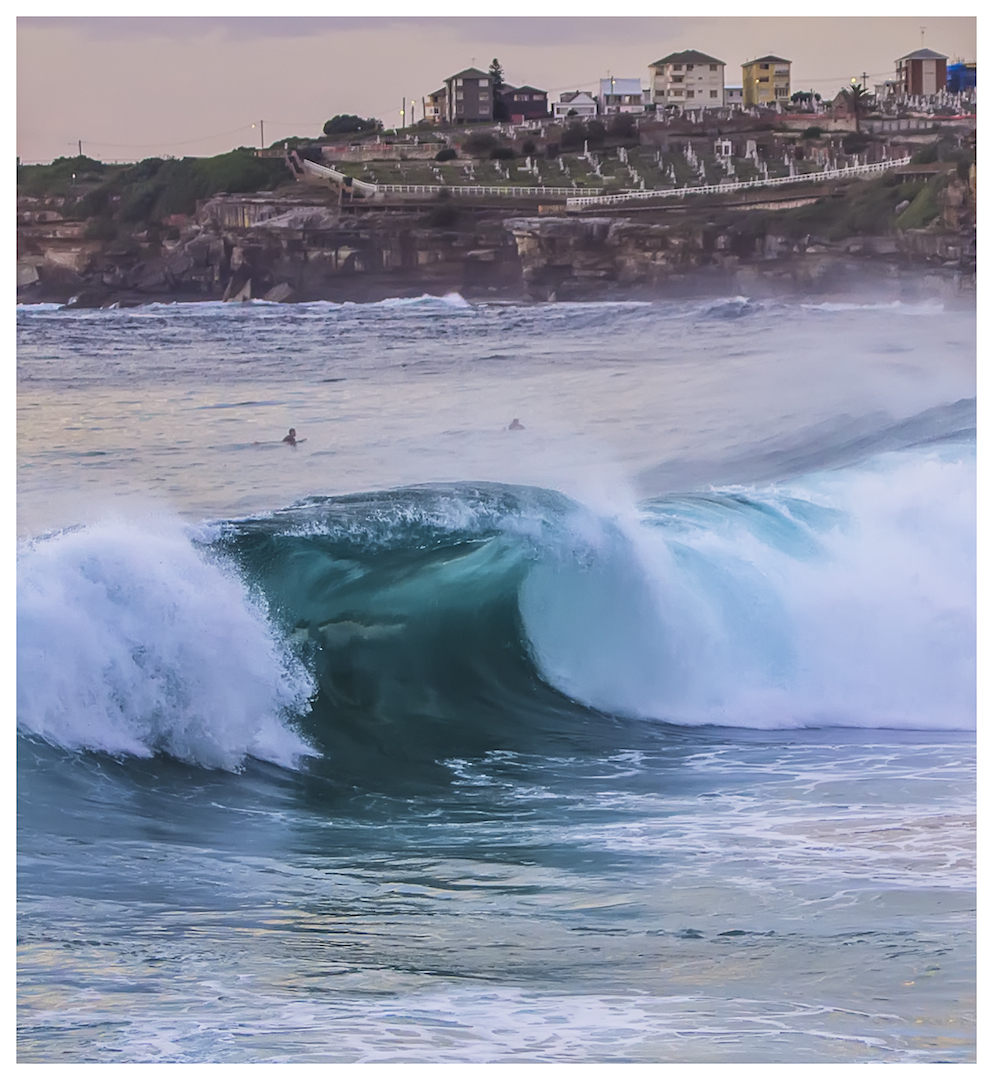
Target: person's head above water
x,y
292,437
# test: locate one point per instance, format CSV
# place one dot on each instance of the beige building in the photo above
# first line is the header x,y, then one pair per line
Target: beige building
x,y
766,81
689,81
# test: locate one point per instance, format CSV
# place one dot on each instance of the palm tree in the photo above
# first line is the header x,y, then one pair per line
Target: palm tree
x,y
856,96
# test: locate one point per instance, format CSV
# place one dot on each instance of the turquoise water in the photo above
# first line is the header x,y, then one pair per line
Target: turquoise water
x,y
646,733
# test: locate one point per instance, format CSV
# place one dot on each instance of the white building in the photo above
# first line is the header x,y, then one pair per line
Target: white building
x,y
578,103
733,98
621,96
689,81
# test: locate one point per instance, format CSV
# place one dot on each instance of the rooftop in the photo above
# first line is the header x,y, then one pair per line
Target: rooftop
x,y
767,60
469,73
924,54
688,56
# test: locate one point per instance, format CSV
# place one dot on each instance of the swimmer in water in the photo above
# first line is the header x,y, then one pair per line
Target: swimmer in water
x,y
515,425
292,439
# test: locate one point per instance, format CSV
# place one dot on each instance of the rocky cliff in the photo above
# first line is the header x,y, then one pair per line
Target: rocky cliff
x,y
299,246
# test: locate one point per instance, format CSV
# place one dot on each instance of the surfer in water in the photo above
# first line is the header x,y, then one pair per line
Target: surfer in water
x,y
291,439
515,425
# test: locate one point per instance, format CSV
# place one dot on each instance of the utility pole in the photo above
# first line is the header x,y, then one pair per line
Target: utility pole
x,y
261,134
80,147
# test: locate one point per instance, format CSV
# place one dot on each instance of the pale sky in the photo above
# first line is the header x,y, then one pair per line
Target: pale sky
x,y
131,88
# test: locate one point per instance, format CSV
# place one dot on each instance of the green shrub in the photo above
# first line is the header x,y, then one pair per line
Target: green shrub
x,y
346,124
448,154
479,144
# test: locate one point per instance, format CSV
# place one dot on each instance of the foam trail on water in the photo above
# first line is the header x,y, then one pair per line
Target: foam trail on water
x,y
849,601
131,642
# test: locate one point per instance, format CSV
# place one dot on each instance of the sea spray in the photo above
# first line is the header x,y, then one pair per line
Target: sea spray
x,y
131,642
845,599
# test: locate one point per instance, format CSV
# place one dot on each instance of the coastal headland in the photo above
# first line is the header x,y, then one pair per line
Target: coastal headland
x,y
270,226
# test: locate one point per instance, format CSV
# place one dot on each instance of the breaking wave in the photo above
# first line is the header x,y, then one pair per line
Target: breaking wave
x,y
432,621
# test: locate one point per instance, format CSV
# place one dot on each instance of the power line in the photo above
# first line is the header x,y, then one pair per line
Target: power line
x,y
183,142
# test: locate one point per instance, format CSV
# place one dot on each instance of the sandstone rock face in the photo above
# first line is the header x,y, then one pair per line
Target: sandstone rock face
x,y
291,249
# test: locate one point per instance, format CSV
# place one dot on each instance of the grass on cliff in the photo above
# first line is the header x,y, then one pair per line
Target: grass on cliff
x,y
866,208
145,193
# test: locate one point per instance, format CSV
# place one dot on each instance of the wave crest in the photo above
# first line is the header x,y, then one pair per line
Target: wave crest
x,y
132,643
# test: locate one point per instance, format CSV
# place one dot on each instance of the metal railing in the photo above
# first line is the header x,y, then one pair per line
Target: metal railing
x,y
739,185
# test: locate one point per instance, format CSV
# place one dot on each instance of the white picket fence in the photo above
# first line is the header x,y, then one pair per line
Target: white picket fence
x,y
574,201
740,185
363,186
472,189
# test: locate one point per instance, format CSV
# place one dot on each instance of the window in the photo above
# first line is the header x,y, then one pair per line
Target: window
x,y
677,78
458,95
713,67
713,93
677,67
689,67
458,82
764,67
675,93
690,93
763,78
782,91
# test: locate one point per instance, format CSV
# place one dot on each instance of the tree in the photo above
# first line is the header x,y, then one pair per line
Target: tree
x,y
500,110
479,144
624,126
347,124
856,96
496,76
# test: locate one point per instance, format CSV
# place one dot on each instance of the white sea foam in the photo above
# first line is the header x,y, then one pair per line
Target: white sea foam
x,y
131,642
865,618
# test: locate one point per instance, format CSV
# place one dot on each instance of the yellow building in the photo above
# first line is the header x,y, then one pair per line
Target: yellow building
x,y
766,81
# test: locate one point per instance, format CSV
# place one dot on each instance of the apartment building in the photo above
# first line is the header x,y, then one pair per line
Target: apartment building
x,y
689,81
468,97
766,81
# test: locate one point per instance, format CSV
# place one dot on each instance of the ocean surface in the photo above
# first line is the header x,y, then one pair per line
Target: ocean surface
x,y
643,732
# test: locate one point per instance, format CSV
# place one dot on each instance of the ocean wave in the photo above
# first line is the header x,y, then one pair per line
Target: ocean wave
x,y
900,306
131,642
448,620
846,599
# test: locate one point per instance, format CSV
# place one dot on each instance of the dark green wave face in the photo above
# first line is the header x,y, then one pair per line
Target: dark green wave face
x,y
405,608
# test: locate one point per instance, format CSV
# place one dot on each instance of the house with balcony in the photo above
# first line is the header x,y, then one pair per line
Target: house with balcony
x,y
766,82
922,73
434,106
575,105
524,103
469,97
689,81
621,96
